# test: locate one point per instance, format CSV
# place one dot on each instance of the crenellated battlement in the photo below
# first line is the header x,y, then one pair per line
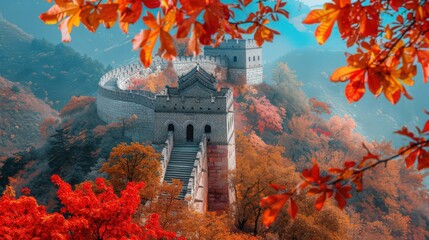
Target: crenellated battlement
x,y
123,75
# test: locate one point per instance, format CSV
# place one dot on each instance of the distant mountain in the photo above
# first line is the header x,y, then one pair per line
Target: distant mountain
x,y
21,115
376,118
110,47
53,73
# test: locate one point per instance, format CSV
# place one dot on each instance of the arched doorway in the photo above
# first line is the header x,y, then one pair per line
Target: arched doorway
x,y
190,133
170,127
207,129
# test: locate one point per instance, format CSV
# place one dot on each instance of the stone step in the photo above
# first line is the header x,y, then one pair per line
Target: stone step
x,y
180,166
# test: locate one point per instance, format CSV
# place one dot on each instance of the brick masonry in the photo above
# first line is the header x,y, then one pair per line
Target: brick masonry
x,y
219,163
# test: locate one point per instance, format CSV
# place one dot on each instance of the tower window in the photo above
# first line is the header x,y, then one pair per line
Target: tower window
x,y
258,58
207,129
254,59
170,127
249,59
235,58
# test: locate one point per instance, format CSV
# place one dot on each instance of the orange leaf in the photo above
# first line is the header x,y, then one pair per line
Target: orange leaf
x,y
355,89
167,47
263,34
423,58
326,18
194,45
274,204
343,73
374,82
388,32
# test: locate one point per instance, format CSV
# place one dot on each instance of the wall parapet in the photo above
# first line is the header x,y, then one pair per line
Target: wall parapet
x,y
166,153
195,196
144,98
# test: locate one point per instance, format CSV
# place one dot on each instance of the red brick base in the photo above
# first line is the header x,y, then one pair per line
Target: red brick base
x,y
217,164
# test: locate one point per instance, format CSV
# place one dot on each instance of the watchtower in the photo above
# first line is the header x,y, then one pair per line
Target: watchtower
x,y
195,111
244,60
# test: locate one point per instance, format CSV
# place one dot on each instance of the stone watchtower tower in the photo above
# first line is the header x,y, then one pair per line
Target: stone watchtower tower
x,y
195,116
244,60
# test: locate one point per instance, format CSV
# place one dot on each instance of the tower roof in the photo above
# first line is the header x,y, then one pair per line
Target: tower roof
x,y
195,76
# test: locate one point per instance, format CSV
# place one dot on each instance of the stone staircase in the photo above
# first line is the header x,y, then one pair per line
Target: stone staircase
x,y
181,163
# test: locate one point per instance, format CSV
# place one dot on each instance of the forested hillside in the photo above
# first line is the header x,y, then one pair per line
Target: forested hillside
x,y
53,72
22,116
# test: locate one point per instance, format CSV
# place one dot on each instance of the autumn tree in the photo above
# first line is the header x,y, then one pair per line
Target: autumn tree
x,y
258,165
175,215
319,107
89,215
76,103
134,162
155,82
265,115
170,209
23,218
285,90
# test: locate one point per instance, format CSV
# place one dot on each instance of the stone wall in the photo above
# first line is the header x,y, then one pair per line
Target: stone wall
x,y
254,75
180,121
111,110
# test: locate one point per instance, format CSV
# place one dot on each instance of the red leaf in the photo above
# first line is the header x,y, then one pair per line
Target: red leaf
x,y
404,131
314,191
320,201
342,194
395,4
277,187
349,164
426,127
358,181
411,158
340,201
423,161
293,209
335,170
151,3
